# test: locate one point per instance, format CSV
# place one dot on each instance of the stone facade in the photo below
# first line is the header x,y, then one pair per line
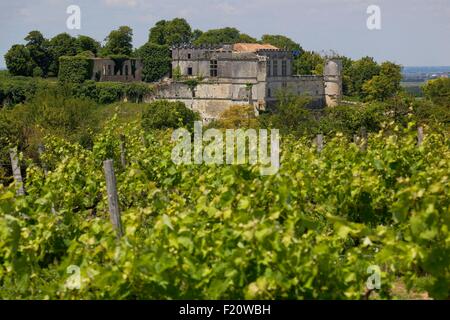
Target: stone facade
x,y
105,69
243,74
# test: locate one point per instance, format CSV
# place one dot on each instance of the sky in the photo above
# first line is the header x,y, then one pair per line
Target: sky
x,y
413,32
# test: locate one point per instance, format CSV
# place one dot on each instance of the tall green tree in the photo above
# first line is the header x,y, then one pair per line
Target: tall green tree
x,y
85,43
177,31
361,71
224,35
385,85
196,34
308,63
171,32
245,38
281,42
38,48
119,42
438,91
60,45
157,33
18,61
346,78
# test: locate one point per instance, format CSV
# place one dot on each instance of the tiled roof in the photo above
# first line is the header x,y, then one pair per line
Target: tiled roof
x,y
253,47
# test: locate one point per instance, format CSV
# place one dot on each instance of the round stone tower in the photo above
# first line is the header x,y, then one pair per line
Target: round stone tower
x,y
332,74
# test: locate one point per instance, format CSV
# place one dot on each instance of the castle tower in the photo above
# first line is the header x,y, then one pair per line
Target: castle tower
x,y
332,74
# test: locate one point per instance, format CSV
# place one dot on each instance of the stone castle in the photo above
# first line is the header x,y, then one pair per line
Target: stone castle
x,y
232,74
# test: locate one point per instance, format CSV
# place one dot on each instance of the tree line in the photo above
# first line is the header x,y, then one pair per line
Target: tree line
x,y
364,79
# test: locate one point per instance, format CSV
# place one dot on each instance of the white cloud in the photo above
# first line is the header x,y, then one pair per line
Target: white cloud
x,y
121,3
227,8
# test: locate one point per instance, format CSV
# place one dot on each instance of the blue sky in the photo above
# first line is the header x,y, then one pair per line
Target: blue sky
x,y
414,32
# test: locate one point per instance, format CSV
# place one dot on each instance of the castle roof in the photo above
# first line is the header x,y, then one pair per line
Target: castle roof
x,y
253,47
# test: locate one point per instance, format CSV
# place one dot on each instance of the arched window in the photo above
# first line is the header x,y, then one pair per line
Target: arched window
x,y
126,70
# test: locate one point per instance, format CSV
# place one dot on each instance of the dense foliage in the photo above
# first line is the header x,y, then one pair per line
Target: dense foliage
x,y
170,32
384,85
236,116
293,115
14,90
438,91
18,61
162,114
76,69
224,35
109,92
40,56
282,42
119,42
201,231
156,61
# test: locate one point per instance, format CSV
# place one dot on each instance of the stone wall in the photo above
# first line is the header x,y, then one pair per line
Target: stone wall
x,y
210,100
312,86
104,70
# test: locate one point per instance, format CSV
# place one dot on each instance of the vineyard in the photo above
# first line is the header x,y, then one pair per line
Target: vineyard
x,y
206,232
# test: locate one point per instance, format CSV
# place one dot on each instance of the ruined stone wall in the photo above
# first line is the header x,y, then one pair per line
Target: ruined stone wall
x,y
104,70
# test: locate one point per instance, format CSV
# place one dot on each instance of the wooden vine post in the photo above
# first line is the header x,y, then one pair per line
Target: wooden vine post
x,y
319,142
16,171
113,200
363,138
419,136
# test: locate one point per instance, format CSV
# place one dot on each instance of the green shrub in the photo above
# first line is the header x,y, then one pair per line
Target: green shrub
x,y
53,110
431,113
291,115
438,91
135,92
75,69
87,90
18,60
237,116
37,72
163,114
16,90
108,92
